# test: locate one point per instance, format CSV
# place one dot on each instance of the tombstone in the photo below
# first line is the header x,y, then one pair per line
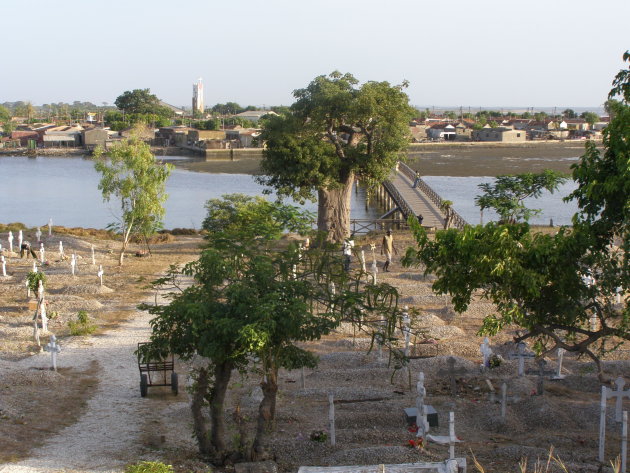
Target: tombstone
x,y
452,374
406,329
4,266
93,259
34,267
100,273
450,439
363,261
43,315
540,388
38,234
559,374
618,394
40,290
331,419
624,442
20,239
374,271
42,253
430,415
486,351
73,263
521,355
50,223
10,238
62,255
618,292
28,289
53,348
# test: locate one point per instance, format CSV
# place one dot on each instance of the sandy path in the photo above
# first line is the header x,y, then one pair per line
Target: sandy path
x,y
109,434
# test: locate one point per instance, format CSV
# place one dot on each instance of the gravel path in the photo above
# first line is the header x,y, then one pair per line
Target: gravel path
x,y
109,435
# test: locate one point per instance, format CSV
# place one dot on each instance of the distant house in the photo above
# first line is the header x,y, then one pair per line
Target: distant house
x,y
244,137
172,136
23,136
62,136
576,124
442,131
501,134
94,137
176,110
254,115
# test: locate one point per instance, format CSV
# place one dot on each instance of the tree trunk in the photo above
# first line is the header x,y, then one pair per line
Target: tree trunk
x,y
199,421
222,374
266,414
333,211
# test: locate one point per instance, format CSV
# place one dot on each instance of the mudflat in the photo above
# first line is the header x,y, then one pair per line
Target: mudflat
x,y
446,159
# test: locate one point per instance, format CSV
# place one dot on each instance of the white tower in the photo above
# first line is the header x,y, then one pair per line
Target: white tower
x,y
197,101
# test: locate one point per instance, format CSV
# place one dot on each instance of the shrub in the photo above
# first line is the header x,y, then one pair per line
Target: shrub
x,y
81,326
149,467
34,278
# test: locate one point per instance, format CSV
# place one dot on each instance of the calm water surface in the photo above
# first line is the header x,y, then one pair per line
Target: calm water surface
x,y
66,189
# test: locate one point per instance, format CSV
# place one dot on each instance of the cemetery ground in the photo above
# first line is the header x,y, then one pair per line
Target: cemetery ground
x,y
89,416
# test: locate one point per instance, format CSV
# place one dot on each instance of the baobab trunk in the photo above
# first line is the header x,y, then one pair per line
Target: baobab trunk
x,y
222,374
333,211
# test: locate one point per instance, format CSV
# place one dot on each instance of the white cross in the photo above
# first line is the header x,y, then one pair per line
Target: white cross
x,y
73,263
50,226
34,267
10,241
20,238
93,260
618,394
40,289
486,351
374,271
28,289
38,234
100,273
53,348
4,266
61,254
42,252
42,313
421,416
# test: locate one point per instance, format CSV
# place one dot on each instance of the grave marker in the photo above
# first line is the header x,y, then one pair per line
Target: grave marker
x,y
50,223
54,348
452,374
363,261
374,271
42,253
100,273
559,374
618,394
486,351
521,355
73,263
406,329
34,267
4,266
10,238
331,419
20,239
93,259
624,442
62,255
38,234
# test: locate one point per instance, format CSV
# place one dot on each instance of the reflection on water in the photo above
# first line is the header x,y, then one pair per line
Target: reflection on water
x,y
66,189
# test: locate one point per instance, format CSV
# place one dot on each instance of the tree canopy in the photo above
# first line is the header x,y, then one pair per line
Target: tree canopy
x,y
337,131
141,101
562,289
507,193
131,174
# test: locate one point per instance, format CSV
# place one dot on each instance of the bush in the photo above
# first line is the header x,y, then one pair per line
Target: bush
x,y
149,467
81,326
33,280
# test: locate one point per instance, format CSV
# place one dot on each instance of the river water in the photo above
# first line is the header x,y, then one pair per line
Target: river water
x,y
32,190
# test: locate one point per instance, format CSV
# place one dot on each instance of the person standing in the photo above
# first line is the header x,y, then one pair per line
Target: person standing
x,y
387,247
416,180
26,248
348,245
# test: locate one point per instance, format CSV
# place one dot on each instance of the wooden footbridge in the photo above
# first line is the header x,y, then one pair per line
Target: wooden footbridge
x,y
403,199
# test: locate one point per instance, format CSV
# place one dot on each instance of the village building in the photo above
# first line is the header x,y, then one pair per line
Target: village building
x,y
501,134
254,115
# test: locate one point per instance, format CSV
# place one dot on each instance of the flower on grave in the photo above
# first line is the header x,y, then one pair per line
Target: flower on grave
x,y
319,436
416,443
413,428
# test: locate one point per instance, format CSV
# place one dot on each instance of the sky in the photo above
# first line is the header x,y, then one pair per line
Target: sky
x,y
483,53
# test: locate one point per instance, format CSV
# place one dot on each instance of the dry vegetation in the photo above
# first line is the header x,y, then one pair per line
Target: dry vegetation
x,y
369,400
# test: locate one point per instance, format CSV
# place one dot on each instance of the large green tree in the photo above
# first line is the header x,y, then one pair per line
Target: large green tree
x,y
131,174
141,101
337,132
561,289
252,301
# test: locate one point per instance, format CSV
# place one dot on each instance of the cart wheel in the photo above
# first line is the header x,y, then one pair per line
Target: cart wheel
x,y
144,385
174,385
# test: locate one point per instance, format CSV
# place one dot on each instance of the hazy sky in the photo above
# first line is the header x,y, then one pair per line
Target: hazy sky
x,y
535,53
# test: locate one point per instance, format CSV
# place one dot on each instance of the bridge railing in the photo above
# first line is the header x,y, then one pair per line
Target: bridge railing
x,y
362,226
458,220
